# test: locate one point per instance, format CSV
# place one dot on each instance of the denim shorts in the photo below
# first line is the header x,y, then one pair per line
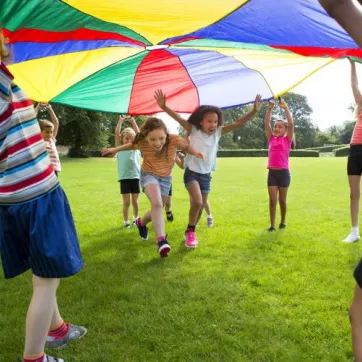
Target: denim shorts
x,y
203,179
148,178
280,178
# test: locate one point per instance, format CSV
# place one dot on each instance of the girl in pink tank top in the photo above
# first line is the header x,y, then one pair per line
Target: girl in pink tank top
x,y
280,140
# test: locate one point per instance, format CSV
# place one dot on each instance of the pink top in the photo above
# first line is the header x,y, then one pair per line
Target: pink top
x,y
278,155
53,154
357,132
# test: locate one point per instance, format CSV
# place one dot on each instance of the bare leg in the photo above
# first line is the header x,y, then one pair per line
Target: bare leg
x,y
135,204
153,193
204,201
126,204
354,185
196,202
39,316
283,203
168,203
273,199
207,207
355,316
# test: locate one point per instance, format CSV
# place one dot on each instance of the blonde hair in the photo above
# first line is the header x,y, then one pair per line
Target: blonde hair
x,y
127,130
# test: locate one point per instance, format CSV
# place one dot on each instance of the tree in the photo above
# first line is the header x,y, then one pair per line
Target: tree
x,y
346,132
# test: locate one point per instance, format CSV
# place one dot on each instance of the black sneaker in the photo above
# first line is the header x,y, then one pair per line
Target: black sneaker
x,y
271,229
169,215
163,248
142,230
282,226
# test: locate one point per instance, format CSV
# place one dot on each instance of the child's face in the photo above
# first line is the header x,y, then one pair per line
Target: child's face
x,y
157,139
128,138
209,123
279,129
47,133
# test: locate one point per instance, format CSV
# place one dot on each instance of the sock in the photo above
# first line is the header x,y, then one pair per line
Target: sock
x,y
191,227
209,216
161,238
355,230
42,358
126,222
135,218
59,332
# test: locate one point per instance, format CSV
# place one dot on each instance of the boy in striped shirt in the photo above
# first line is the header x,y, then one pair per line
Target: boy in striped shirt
x,y
32,207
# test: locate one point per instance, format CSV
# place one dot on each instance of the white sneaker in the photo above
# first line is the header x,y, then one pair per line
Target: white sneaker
x,y
351,238
209,221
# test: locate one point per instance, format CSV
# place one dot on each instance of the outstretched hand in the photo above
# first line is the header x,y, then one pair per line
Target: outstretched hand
x,y
108,151
271,105
160,98
257,103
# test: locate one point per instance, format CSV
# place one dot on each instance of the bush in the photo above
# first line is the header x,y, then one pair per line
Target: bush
x,y
264,153
78,153
341,152
324,148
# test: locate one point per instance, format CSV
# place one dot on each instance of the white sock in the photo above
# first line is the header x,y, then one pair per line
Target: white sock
x,y
135,218
355,230
126,222
210,216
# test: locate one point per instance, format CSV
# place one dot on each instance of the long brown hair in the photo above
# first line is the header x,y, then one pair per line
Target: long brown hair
x,y
151,124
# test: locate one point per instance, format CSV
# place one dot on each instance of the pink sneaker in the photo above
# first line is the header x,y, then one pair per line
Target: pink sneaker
x,y
190,239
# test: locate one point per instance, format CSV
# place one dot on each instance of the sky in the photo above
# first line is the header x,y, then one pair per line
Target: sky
x,y
328,92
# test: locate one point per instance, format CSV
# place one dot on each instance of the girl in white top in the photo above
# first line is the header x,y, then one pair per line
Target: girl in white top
x,y
205,127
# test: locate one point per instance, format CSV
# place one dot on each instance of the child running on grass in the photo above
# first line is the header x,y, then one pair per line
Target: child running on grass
x,y
205,127
36,226
49,132
280,141
159,153
129,169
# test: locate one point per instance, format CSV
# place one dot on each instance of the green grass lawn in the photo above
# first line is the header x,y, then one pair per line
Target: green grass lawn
x,y
242,295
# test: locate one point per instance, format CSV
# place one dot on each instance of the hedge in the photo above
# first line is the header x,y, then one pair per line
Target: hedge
x,y
264,153
341,152
325,148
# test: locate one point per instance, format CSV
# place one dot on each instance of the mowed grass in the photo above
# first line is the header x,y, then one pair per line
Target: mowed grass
x,y
242,295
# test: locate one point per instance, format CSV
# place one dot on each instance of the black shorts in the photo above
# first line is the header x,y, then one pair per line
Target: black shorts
x,y
358,273
280,178
130,186
170,193
354,164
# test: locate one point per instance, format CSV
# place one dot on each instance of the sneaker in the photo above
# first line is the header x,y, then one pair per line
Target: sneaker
x,y
142,230
134,222
190,239
271,229
169,215
53,359
351,238
163,248
74,333
282,226
209,221
127,225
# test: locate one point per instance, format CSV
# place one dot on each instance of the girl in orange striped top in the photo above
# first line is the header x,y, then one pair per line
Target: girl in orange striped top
x,y
159,153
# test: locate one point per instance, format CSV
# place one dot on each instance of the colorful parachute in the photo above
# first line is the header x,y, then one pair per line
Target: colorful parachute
x,y
111,55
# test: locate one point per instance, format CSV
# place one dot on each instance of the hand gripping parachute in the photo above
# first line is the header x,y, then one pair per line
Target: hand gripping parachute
x,y
111,55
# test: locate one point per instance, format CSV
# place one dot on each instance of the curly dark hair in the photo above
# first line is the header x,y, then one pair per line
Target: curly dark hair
x,y
199,113
151,124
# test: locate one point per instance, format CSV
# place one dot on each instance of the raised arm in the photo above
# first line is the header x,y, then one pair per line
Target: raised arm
x,y
134,125
117,131
268,130
289,118
160,98
348,14
230,127
354,83
113,150
36,109
53,119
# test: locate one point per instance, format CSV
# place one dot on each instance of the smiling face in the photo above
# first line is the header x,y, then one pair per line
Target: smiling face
x,y
157,139
209,123
279,129
47,133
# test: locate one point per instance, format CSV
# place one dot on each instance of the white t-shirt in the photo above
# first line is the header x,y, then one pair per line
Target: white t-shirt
x,y
206,144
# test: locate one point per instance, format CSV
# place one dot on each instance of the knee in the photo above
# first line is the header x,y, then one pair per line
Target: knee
x,y
273,202
197,204
51,283
355,314
354,195
283,202
126,203
157,205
